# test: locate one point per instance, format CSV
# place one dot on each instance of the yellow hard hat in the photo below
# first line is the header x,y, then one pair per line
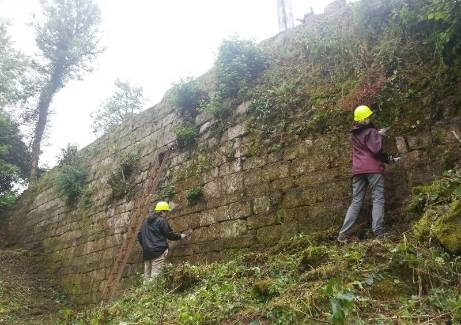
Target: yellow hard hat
x,y
362,112
162,206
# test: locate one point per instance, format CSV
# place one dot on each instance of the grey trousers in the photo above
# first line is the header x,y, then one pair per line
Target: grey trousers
x,y
359,188
152,268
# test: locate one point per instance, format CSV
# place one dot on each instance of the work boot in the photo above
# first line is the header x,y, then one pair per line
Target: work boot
x,y
383,235
342,240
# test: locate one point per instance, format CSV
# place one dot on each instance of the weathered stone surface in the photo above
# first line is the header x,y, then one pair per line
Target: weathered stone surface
x,y
212,190
243,108
401,145
254,162
269,235
262,220
232,183
205,127
419,142
275,171
236,131
299,150
261,204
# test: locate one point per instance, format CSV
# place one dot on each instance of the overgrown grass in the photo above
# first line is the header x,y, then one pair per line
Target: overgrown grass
x,y
360,283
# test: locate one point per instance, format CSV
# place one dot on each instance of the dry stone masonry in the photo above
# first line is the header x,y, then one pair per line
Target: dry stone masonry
x,y
251,197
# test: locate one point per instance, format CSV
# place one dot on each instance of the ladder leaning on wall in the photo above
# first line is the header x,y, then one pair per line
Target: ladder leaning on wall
x,y
140,210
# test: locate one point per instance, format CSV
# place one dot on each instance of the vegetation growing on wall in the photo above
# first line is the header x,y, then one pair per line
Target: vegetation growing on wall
x,y
438,208
363,53
71,176
238,65
194,194
122,179
187,95
186,135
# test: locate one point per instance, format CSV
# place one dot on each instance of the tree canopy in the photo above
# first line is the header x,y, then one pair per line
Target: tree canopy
x,y
124,102
67,37
14,159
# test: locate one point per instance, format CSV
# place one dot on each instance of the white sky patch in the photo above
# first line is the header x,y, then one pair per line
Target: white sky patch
x,y
149,43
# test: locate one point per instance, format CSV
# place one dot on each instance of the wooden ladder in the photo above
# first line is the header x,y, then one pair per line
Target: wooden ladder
x,y
140,210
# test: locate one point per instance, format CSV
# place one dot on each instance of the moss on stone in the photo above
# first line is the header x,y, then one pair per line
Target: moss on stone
x,y
422,229
447,229
387,288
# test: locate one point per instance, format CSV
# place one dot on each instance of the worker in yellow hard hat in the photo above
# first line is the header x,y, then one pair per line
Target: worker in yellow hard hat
x,y
153,237
368,161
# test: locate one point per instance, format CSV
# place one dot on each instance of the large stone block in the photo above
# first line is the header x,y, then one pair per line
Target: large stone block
x,y
282,184
269,235
212,190
297,197
231,229
231,167
275,171
262,220
419,142
299,150
236,131
232,183
262,204
254,162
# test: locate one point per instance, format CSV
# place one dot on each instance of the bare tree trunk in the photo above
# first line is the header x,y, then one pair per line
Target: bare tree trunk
x,y
46,95
285,15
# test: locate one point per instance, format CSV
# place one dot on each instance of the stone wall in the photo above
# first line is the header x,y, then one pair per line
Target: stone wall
x,y
254,193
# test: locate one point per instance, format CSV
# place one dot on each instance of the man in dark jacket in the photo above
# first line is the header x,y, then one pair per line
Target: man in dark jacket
x,y
368,162
153,236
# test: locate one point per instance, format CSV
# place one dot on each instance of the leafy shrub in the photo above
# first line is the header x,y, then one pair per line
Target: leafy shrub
x,y
169,191
238,63
122,180
186,135
68,156
217,106
341,303
71,176
438,21
279,98
194,194
187,95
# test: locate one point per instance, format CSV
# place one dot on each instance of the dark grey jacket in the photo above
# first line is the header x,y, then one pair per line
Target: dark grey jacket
x,y
153,236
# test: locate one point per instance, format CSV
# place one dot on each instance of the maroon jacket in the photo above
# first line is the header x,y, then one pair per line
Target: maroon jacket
x,y
367,145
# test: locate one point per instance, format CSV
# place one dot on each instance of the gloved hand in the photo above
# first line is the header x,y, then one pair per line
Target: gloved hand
x,y
394,159
183,236
383,131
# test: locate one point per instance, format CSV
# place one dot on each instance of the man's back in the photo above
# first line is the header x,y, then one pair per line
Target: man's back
x,y
153,236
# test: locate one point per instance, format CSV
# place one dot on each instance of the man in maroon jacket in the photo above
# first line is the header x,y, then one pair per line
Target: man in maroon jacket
x,y
368,162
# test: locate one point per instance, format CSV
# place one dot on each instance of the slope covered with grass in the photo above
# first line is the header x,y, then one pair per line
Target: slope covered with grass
x,y
304,280
27,293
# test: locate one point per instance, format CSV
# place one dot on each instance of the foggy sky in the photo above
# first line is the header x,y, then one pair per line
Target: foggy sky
x,y
149,43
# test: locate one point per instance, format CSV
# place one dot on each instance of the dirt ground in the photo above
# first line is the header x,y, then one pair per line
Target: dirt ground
x,y
28,293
